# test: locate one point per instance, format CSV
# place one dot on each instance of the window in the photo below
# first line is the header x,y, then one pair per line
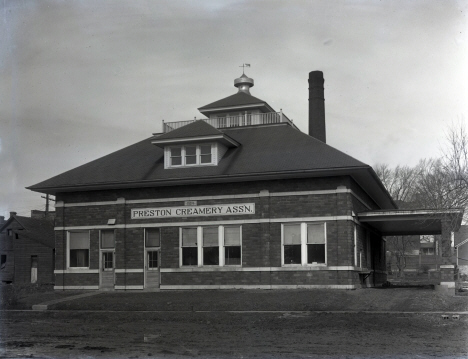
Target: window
x,y
205,154
190,155
304,243
3,259
189,247
152,259
176,156
211,246
10,232
193,155
427,251
78,244
108,261
152,237
152,243
232,245
107,239
292,244
315,243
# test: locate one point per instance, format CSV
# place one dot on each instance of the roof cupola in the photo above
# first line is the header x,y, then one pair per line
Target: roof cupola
x,y
244,83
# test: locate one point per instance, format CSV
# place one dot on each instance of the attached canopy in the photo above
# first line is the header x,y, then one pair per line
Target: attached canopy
x,y
411,222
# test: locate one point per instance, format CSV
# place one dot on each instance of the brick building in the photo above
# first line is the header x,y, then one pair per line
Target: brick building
x,y
27,249
239,199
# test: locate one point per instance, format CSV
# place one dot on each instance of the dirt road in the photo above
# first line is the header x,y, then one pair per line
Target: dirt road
x,y
85,334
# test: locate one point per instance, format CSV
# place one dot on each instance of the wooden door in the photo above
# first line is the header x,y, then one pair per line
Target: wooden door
x,y
107,271
152,269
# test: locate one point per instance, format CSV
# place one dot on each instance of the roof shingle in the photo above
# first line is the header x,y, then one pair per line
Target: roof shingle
x,y
238,99
264,150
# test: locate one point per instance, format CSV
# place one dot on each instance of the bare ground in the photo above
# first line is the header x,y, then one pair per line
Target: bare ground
x,y
64,334
211,324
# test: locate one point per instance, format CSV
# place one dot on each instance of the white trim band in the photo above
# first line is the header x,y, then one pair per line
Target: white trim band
x,y
259,286
77,287
259,269
128,287
447,266
137,270
208,198
76,271
212,223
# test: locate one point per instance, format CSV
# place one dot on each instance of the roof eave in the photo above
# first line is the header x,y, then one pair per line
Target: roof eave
x,y
375,193
208,111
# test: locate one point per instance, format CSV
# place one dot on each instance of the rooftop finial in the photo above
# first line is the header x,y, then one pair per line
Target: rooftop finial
x,y
244,83
243,67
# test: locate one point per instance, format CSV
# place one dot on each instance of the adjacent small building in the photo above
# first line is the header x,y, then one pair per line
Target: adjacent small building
x,y
27,249
238,199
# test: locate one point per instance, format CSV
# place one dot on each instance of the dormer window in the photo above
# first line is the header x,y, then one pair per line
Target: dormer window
x,y
176,156
194,145
191,155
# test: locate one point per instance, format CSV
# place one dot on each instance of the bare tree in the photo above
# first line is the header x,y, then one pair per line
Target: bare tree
x,y
440,183
400,247
400,182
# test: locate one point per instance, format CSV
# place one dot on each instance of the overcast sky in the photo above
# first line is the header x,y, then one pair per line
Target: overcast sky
x,y
82,78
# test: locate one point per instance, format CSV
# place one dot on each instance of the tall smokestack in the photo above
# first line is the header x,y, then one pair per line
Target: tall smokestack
x,y
317,106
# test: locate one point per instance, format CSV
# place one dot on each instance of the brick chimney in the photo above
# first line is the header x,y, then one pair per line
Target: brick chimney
x,y
317,106
12,214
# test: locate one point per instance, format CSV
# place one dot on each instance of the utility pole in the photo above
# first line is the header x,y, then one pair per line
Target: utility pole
x,y
47,203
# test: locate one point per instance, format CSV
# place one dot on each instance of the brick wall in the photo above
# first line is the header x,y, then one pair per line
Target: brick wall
x,y
261,242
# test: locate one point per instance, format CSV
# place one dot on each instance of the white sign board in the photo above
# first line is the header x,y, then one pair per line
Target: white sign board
x,y
209,210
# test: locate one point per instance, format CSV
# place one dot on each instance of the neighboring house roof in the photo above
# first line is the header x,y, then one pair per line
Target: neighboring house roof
x,y
38,230
265,152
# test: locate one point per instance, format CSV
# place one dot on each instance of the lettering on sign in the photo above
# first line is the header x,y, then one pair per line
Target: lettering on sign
x,y
210,210
190,203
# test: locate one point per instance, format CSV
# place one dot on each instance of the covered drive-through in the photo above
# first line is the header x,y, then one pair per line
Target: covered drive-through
x,y
421,222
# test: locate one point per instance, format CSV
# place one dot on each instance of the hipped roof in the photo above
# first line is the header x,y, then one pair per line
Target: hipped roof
x,y
237,100
265,152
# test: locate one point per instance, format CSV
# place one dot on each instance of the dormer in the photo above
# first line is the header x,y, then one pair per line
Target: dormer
x,y
195,144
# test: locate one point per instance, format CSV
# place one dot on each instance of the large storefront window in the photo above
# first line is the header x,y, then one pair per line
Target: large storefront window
x,y
78,249
304,243
211,246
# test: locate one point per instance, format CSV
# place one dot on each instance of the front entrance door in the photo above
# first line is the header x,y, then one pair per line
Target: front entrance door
x,y
152,269
107,271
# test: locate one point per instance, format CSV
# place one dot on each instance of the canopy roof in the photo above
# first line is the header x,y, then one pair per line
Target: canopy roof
x,y
411,222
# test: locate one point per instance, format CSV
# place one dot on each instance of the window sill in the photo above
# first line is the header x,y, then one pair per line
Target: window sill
x,y
191,166
76,270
